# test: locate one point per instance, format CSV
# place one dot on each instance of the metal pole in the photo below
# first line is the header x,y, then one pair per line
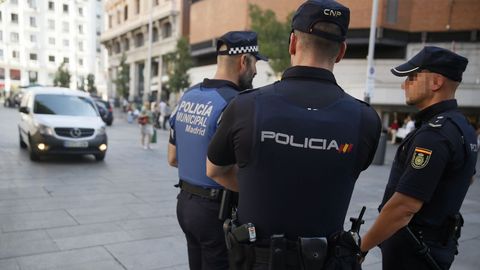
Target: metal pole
x,y
149,55
370,83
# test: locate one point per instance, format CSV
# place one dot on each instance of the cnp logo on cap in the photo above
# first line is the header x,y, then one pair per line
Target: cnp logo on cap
x,y
314,11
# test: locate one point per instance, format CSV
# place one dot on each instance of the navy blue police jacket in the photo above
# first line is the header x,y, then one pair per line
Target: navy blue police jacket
x,y
300,145
435,163
193,124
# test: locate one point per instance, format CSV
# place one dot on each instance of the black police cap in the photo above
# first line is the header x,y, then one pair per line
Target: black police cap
x,y
240,42
314,11
434,59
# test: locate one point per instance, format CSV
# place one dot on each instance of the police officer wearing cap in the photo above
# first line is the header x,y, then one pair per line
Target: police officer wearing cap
x,y
419,222
193,124
294,150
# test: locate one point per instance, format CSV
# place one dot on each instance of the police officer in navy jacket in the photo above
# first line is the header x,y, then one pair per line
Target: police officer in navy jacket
x,y
294,149
432,170
193,124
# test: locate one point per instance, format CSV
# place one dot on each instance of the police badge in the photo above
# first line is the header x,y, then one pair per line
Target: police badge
x,y
420,157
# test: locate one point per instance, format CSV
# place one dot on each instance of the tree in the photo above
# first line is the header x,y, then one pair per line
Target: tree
x,y
178,63
123,78
91,88
62,76
273,37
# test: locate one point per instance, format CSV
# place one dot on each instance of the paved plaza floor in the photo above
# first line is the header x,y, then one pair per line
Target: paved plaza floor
x,y
78,214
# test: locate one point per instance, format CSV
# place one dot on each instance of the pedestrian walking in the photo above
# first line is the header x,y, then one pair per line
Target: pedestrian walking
x,y
192,126
293,150
145,120
420,222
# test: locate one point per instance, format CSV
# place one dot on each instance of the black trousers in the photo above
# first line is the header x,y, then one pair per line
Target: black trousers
x,y
198,218
398,253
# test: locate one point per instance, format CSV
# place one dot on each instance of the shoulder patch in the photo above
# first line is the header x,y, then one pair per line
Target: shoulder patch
x,y
421,157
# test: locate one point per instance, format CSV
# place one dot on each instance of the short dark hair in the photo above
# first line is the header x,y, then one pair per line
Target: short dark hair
x,y
325,47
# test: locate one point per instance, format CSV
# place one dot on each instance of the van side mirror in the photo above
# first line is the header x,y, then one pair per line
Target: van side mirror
x,y
24,110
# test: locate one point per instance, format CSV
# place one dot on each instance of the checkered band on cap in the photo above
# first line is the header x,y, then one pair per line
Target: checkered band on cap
x,y
242,50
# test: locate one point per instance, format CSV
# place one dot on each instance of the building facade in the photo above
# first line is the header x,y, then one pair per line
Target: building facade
x,y
403,28
127,35
37,36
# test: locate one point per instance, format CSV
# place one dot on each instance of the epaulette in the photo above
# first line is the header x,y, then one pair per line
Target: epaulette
x,y
437,121
248,91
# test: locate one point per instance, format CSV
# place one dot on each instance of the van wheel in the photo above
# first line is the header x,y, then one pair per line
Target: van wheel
x,y
99,157
23,145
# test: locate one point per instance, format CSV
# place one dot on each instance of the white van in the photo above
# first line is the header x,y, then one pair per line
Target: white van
x,y
57,120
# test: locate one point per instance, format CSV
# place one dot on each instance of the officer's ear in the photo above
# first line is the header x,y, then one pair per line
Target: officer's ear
x,y
243,62
341,52
292,46
436,81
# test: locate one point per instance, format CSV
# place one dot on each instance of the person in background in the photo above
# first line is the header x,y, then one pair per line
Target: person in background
x,y
145,120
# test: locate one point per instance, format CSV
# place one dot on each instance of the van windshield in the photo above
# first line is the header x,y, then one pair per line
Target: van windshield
x,y
64,105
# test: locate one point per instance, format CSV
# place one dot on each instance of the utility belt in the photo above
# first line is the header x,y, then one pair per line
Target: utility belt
x,y
207,193
450,230
340,251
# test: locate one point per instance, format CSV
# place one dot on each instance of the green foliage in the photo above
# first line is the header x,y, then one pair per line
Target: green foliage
x,y
123,78
178,63
62,76
91,88
273,37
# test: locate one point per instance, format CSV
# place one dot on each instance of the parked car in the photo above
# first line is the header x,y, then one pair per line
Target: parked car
x,y
13,99
57,120
105,110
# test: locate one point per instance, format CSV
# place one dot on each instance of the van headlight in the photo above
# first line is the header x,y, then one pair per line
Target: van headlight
x,y
101,131
44,130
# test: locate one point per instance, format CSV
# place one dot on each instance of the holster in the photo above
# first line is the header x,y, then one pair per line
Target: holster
x,y
278,252
240,256
312,252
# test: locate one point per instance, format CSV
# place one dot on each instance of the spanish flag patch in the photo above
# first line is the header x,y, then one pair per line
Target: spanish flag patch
x,y
345,148
420,157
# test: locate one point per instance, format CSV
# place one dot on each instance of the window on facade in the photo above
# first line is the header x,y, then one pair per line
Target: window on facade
x,y
65,8
51,40
110,19
80,29
32,3
0,16
66,43
33,56
15,54
51,58
80,46
66,60
15,2
137,6
155,2
51,24
14,18
167,30
155,34
32,76
65,27
119,17
1,35
139,40
116,47
80,11
392,11
33,22
33,38
125,13
80,62
14,37
1,55
15,74
2,72
51,6
126,44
